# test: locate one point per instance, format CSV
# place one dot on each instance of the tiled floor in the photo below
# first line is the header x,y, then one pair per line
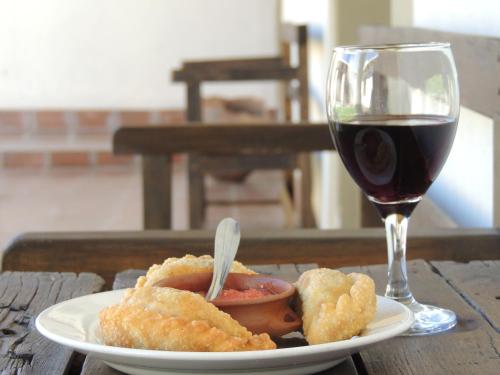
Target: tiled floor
x,y
65,200
110,199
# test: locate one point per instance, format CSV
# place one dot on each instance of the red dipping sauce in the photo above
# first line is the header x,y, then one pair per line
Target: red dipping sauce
x,y
257,302
230,294
233,294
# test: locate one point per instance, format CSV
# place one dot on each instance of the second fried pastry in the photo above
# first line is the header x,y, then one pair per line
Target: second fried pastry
x,y
335,306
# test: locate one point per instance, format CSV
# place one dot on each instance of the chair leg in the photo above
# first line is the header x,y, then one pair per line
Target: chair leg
x,y
195,176
306,214
196,194
156,190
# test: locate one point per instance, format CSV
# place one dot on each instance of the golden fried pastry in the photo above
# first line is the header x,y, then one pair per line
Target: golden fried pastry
x,y
335,306
184,265
177,320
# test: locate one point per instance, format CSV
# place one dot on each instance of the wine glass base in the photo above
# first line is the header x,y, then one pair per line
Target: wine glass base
x,y
430,319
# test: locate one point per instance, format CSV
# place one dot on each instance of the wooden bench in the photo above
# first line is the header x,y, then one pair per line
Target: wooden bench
x,y
107,253
270,146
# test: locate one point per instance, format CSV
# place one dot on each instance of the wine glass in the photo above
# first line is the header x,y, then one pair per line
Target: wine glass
x,y
393,112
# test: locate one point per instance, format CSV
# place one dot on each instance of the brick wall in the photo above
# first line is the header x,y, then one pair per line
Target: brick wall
x,y
32,123
52,139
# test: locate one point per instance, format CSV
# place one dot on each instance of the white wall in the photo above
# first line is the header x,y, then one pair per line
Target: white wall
x,y
119,53
465,188
480,17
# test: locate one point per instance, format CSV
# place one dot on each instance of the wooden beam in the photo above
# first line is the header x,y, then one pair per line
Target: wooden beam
x,y
248,139
109,252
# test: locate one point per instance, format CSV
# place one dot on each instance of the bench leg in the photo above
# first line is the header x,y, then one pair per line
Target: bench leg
x,y
196,193
157,191
306,214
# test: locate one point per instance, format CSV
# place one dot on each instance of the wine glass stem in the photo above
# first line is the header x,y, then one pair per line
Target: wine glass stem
x,y
396,226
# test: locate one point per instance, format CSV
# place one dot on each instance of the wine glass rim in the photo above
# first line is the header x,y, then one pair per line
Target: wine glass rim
x,y
395,47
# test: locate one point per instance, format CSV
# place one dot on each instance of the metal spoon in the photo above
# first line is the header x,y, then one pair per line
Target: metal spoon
x,y
227,239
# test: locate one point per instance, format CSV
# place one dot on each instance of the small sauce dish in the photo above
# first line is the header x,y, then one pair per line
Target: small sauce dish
x,y
262,306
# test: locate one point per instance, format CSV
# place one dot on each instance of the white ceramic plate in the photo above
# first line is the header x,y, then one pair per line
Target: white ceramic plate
x,y
74,323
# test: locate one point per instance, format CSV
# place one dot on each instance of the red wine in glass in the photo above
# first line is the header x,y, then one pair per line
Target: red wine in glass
x,y
394,158
392,111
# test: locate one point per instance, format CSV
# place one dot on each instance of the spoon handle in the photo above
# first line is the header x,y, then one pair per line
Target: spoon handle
x,y
227,239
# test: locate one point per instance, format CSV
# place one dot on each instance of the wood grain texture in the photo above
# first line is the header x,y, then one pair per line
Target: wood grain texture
x,y
157,192
478,282
223,139
107,253
470,348
127,278
476,58
22,297
94,366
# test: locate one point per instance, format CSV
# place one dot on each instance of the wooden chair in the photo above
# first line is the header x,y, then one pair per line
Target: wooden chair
x,y
278,68
212,144
107,253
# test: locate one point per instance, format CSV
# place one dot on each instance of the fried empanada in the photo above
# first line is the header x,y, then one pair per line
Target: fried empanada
x,y
176,320
335,306
184,265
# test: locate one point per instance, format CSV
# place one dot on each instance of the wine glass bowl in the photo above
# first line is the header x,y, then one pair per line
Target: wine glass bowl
x,y
393,112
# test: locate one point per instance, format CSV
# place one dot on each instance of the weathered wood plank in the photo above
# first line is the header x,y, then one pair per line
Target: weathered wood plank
x,y
478,282
127,278
470,348
223,139
288,272
107,253
24,295
345,368
94,366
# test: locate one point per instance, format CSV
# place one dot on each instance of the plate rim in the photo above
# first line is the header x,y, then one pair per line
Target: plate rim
x,y
95,348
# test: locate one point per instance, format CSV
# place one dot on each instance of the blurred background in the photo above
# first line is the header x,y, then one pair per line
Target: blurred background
x,y
72,72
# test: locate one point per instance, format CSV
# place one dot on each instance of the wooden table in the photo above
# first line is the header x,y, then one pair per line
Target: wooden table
x,y
472,290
